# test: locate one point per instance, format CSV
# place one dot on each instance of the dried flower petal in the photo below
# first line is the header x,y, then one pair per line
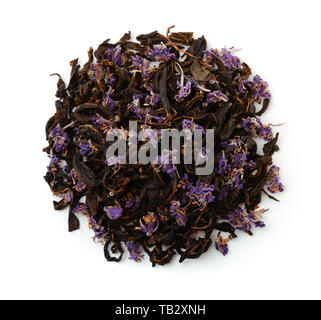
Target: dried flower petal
x,y
113,213
273,181
134,250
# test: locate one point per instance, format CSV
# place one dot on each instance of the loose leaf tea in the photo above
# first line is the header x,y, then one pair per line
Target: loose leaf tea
x,y
162,208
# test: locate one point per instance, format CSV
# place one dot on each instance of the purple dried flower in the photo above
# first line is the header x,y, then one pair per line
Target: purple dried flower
x,y
135,107
109,79
60,138
104,125
233,171
153,98
100,232
221,244
239,219
232,145
148,224
273,181
257,129
93,71
265,132
257,86
85,149
250,123
223,165
230,61
167,161
143,65
242,219
160,53
81,208
68,196
114,55
149,117
256,220
260,88
108,102
113,213
54,160
190,125
183,91
201,192
234,179
134,250
52,168
216,96
79,185
239,160
178,212
132,204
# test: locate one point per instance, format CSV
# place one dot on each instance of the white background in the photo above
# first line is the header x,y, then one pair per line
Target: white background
x,y
39,259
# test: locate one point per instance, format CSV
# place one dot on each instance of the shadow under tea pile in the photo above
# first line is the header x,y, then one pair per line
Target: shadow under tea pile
x,y
161,82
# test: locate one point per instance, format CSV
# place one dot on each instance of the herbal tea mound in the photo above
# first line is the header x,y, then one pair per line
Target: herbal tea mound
x,y
161,208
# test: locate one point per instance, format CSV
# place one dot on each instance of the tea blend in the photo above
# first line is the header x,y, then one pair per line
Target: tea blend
x,y
162,82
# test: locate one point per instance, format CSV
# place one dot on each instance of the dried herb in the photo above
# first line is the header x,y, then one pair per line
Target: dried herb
x,y
170,81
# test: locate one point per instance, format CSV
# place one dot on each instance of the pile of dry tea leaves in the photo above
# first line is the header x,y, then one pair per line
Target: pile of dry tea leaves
x,y
162,82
